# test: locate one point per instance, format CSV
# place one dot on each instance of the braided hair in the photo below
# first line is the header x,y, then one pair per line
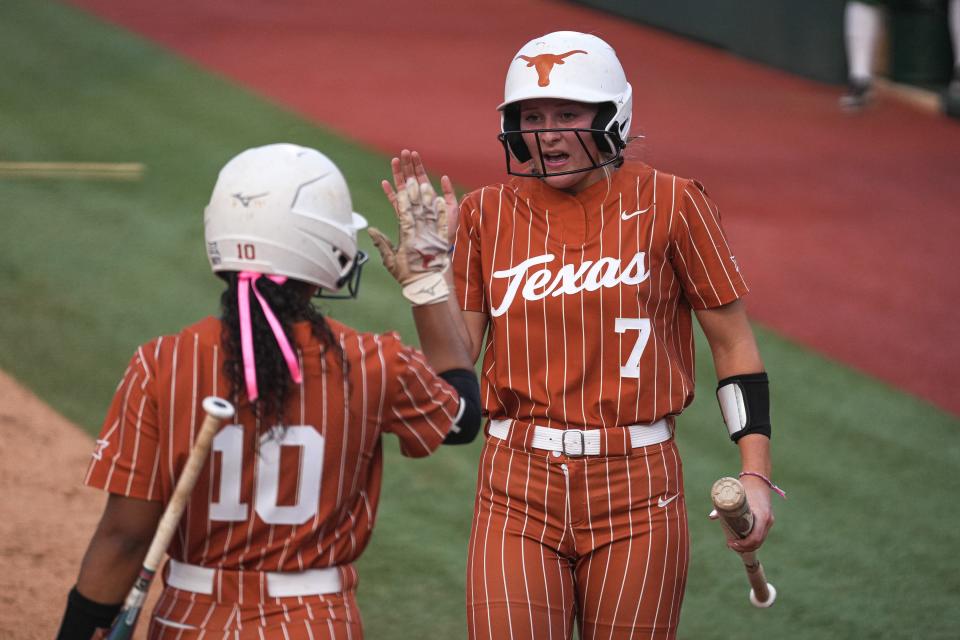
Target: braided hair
x,y
291,302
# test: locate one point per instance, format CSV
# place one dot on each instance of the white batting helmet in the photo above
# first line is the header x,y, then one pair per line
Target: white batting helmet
x,y
283,209
575,66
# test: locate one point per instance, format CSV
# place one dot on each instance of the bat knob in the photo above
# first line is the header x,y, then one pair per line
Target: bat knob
x,y
768,602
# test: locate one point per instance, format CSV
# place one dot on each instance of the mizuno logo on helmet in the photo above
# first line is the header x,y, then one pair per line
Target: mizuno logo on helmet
x,y
246,200
545,62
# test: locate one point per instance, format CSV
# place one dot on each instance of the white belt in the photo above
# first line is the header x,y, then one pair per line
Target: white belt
x,y
190,577
577,442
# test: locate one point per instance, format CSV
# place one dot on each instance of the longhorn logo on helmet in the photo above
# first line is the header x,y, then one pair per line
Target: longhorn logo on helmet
x,y
545,62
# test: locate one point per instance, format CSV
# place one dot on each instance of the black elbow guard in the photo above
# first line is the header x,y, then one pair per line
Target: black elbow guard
x,y
467,423
745,404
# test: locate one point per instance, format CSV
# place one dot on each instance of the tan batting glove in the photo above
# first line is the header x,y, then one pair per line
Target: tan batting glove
x,y
421,256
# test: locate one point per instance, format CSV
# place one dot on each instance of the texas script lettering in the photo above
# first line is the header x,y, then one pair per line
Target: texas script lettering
x,y
570,279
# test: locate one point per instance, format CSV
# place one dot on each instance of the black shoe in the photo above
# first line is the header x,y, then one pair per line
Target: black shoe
x,y
856,97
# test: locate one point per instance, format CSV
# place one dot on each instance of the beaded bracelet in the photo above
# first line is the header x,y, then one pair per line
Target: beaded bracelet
x,y
780,492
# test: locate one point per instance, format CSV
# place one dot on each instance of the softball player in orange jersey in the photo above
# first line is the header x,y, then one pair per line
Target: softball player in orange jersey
x,y
287,500
581,273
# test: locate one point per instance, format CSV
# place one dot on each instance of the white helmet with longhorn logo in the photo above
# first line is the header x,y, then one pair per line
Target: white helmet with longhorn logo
x,y
574,66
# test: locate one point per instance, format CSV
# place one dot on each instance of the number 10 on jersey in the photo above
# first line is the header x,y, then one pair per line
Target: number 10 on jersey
x,y
230,505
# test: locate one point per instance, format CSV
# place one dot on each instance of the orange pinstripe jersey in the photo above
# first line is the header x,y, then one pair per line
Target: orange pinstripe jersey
x,y
590,295
301,496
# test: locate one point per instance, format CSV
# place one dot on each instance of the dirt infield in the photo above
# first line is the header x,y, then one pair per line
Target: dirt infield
x,y
44,459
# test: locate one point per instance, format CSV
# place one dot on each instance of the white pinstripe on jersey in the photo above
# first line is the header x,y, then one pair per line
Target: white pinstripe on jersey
x,y
645,246
577,284
153,421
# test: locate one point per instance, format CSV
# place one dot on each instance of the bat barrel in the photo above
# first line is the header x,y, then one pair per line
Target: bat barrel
x,y
730,500
217,410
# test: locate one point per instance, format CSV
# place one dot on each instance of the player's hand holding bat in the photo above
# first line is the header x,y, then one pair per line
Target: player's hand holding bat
x,y
758,498
735,512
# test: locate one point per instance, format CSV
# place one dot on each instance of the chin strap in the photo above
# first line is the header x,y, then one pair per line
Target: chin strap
x,y
248,279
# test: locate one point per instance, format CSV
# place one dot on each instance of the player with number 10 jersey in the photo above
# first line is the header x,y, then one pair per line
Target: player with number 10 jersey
x,y
287,499
298,496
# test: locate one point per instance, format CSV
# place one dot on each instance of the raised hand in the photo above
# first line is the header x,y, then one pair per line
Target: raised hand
x,y
421,256
410,165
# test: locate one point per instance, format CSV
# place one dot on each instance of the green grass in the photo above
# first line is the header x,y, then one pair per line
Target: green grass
x,y
88,270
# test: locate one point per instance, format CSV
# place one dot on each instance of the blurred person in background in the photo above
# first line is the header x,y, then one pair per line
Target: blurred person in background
x,y
863,27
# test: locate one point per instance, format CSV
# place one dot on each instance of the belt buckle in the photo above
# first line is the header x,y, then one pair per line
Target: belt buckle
x,y
583,443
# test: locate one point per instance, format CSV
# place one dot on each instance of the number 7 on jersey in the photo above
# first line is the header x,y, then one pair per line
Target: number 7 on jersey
x,y
632,368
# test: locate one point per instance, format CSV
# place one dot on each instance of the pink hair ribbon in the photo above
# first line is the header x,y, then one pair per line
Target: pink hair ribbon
x,y
249,279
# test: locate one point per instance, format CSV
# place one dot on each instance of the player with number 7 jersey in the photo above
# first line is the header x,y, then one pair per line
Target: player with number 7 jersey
x,y
581,274
594,289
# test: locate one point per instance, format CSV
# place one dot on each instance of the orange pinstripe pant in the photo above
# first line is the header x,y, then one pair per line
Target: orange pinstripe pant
x,y
241,610
600,542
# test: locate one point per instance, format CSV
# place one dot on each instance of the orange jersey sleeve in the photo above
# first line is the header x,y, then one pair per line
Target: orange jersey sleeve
x,y
467,270
126,459
701,256
424,407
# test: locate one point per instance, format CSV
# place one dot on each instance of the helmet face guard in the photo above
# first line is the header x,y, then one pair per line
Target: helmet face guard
x,y
512,140
350,280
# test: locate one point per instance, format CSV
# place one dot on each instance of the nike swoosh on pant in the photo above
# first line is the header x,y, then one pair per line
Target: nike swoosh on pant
x,y
662,503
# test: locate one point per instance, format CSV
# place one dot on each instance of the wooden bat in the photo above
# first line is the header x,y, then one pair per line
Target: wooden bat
x,y
217,410
730,502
